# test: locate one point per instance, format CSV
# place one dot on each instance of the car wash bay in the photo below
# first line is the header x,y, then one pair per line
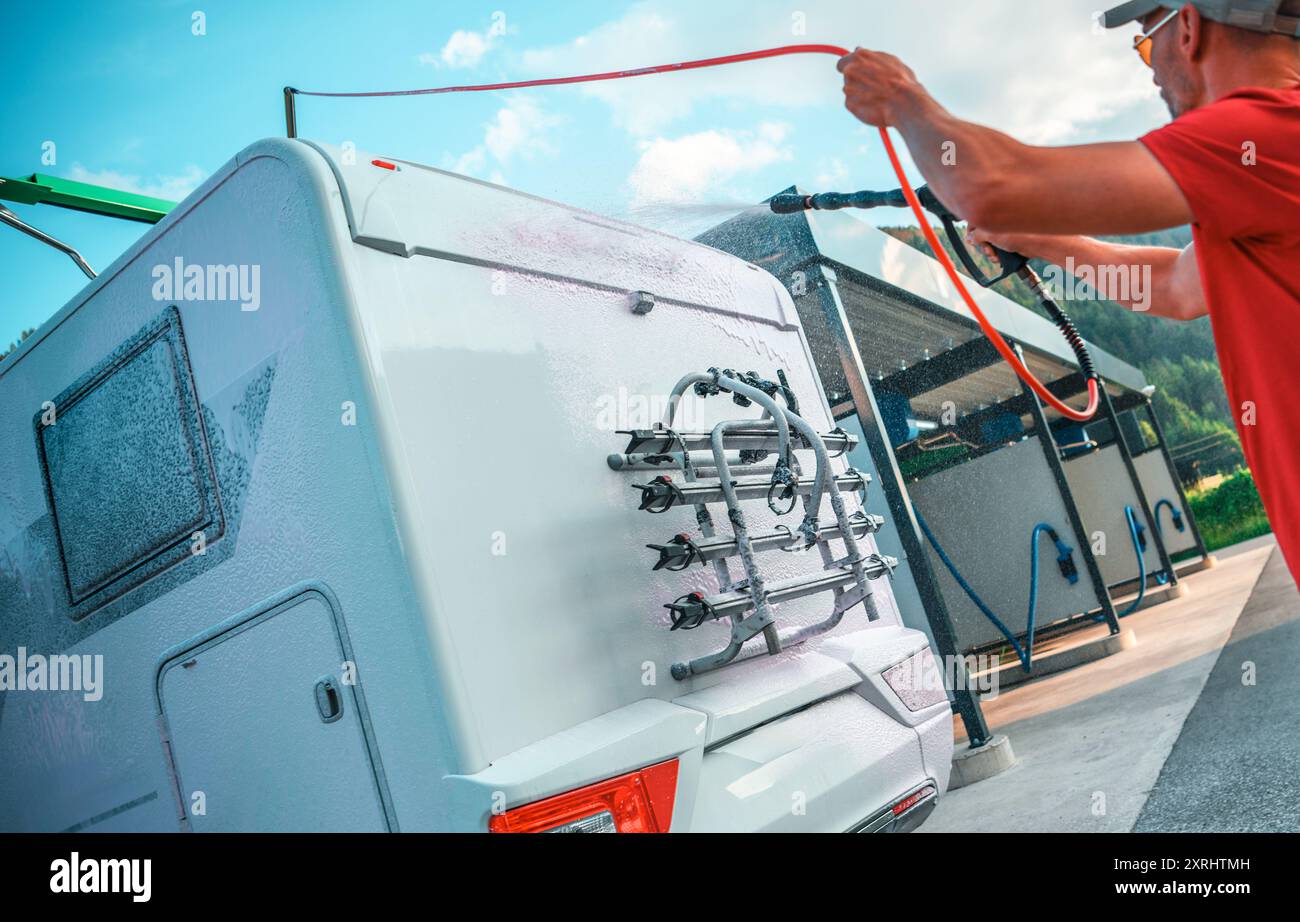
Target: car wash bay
x,y
1016,531
1167,736
951,437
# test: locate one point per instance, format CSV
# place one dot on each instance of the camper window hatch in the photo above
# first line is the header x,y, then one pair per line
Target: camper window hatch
x,y
128,475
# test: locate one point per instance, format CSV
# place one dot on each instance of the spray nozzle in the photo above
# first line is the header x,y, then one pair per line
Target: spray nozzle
x,y
1064,557
791,203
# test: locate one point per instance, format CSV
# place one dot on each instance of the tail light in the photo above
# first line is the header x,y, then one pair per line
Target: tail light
x,y
911,800
917,681
640,801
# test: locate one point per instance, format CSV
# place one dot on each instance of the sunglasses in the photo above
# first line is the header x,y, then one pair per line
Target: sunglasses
x,y
1142,43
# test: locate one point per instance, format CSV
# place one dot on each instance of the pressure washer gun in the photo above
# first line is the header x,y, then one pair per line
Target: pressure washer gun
x,y
1012,263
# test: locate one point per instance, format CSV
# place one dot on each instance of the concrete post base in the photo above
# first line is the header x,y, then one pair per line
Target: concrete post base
x,y
972,765
1067,657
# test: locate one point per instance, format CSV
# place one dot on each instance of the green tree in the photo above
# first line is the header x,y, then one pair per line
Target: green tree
x,y
14,346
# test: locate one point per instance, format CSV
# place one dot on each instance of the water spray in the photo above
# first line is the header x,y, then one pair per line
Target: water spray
x,y
1012,263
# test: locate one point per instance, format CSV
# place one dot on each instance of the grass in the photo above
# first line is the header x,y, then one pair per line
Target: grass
x,y
1230,511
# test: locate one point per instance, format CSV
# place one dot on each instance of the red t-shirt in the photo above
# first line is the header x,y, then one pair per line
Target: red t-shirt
x,y
1238,163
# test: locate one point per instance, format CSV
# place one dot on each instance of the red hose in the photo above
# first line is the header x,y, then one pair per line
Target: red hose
x,y
994,335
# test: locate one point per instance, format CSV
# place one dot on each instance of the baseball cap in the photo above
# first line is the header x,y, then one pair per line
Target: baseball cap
x,y
1255,15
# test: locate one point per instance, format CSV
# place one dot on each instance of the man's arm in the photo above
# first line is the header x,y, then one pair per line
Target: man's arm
x,y
1174,289
1000,184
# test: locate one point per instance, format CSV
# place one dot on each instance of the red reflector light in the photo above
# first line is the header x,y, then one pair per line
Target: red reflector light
x,y
384,164
911,800
640,801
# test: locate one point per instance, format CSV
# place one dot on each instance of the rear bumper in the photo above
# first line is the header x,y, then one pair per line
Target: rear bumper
x,y
905,816
836,766
818,742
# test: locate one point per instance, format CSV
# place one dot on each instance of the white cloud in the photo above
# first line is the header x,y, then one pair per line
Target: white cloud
x,y
831,174
670,31
519,129
635,106
1054,80
470,163
697,166
172,188
519,126
465,48
1052,77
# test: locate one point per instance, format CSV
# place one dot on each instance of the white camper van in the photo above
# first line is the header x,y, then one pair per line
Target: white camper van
x,y
365,482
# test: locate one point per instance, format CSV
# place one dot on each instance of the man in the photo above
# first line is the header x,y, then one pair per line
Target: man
x,y
1229,164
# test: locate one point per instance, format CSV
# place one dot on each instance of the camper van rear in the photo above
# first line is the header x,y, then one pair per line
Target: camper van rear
x,y
357,559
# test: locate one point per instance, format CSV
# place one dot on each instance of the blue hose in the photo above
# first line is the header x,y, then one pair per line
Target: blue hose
x,y
1024,654
1142,564
1177,516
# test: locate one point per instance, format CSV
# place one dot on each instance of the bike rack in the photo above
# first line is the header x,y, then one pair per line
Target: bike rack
x,y
747,603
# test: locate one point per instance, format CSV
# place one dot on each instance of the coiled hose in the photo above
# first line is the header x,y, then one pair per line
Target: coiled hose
x,y
1024,653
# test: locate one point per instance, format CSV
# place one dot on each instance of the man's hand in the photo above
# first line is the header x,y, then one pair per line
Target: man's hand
x,y
875,85
1035,246
1163,281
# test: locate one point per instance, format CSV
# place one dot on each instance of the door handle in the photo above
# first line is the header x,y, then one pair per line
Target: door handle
x,y
329,699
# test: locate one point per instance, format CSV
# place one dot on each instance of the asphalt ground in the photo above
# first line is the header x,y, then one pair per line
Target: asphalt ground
x,y
1162,735
1234,766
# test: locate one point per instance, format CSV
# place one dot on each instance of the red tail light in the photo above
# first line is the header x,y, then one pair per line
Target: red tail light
x,y
910,801
640,801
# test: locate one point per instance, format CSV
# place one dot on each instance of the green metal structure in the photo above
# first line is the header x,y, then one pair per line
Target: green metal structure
x,y
39,189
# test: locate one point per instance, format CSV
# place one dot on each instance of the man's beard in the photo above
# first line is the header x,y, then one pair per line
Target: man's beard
x,y
1175,92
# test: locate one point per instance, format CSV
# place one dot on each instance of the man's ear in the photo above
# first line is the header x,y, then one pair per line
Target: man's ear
x,y
1191,32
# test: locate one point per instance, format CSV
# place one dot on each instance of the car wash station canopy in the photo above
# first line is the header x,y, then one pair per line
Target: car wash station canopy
x,y
917,341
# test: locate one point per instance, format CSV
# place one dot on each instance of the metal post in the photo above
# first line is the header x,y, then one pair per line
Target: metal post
x,y
290,113
1053,456
900,507
1173,475
1108,408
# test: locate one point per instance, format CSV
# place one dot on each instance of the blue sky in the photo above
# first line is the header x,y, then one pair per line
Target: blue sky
x,y
130,96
